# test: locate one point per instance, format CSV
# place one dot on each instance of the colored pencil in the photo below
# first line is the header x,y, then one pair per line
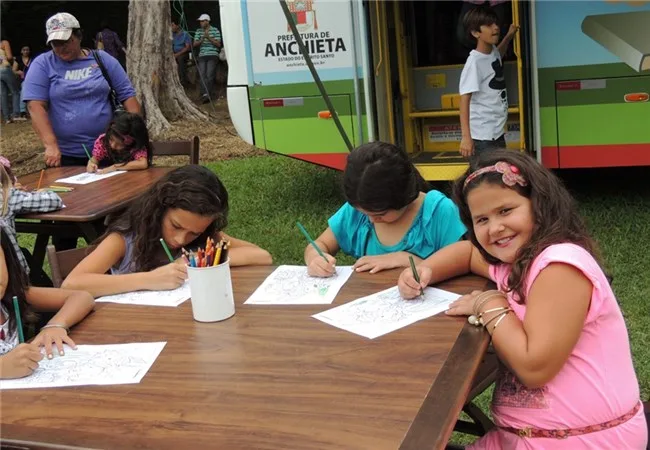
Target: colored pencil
x,y
415,273
311,241
40,180
19,322
86,150
169,255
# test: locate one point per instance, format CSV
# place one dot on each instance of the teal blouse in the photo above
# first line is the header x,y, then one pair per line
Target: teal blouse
x,y
436,225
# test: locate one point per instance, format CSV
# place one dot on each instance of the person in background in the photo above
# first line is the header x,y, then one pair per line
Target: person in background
x,y
181,46
9,84
67,97
208,39
110,42
21,65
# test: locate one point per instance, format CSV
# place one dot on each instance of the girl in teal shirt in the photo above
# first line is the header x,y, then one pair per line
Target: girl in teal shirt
x,y
390,214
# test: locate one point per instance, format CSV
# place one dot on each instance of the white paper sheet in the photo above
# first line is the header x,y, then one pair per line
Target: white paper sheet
x,y
173,297
91,365
87,177
386,311
291,285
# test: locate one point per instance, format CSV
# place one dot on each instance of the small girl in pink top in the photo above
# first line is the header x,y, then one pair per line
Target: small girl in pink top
x,y
567,380
124,146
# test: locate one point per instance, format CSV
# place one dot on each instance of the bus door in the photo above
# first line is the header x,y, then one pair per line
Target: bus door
x,y
431,52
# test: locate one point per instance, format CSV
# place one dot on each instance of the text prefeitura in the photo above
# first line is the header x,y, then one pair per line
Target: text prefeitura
x,y
314,42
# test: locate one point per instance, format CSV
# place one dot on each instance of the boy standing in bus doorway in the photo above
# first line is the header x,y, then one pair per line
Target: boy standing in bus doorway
x,y
208,39
483,98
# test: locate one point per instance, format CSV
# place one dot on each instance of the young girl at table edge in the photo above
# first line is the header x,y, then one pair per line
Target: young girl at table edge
x,y
20,360
124,146
184,208
15,200
567,379
390,214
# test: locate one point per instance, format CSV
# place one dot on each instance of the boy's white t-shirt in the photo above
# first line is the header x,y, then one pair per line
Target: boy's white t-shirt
x,y
483,77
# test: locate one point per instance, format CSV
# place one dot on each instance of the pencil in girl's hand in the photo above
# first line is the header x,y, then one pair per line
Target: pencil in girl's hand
x,y
311,241
415,273
169,254
40,180
19,322
86,150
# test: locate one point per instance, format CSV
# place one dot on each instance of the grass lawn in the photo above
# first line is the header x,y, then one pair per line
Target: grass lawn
x,y
269,194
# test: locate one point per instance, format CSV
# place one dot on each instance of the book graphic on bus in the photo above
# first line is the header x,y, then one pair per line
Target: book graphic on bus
x,y
625,35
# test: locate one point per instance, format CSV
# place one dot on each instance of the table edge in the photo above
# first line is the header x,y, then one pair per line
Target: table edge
x,y
425,433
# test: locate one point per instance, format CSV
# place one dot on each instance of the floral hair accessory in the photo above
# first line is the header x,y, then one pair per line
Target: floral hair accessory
x,y
511,175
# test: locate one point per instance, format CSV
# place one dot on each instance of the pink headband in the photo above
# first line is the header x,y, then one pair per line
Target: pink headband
x,y
510,173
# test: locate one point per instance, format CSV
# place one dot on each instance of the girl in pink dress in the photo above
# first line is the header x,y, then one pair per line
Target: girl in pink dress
x,y
124,146
567,380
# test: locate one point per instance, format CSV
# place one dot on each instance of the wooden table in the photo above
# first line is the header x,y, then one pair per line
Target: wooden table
x,y
86,206
270,377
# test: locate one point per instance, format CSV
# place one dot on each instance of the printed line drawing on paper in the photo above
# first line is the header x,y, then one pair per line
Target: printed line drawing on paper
x,y
172,297
92,365
289,285
380,313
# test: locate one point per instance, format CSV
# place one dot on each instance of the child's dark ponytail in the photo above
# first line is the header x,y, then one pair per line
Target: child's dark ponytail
x,y
379,176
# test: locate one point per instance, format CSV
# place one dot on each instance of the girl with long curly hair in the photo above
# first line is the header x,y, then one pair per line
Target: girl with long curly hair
x,y
184,208
567,379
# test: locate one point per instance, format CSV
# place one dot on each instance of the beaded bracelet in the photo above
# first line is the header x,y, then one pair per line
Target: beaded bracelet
x,y
478,320
56,325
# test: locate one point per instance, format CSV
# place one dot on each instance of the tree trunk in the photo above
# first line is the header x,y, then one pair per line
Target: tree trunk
x,y
152,67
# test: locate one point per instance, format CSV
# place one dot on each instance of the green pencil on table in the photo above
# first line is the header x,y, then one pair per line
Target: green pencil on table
x,y
311,241
169,254
415,273
19,322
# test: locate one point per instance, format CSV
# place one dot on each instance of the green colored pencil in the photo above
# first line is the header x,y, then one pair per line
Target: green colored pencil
x,y
86,150
311,241
19,322
415,273
169,254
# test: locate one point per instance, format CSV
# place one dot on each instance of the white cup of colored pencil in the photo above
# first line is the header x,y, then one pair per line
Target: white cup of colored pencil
x,y
208,271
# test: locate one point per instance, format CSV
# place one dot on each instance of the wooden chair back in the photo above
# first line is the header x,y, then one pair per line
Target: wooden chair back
x,y
175,148
62,263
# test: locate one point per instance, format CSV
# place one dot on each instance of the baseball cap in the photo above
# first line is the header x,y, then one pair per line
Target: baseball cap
x,y
204,17
59,27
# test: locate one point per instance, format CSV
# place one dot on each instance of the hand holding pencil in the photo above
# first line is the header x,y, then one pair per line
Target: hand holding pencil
x,y
323,265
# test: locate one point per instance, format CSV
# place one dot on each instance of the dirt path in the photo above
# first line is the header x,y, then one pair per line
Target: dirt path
x,y
219,141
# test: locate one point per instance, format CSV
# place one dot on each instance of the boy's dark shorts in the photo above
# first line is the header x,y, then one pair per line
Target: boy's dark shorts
x,y
481,147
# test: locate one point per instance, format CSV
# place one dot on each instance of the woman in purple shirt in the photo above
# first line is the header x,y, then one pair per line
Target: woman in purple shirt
x,y
68,96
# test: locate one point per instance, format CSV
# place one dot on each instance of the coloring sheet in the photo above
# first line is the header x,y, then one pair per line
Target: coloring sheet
x,y
150,298
91,365
86,177
386,311
291,285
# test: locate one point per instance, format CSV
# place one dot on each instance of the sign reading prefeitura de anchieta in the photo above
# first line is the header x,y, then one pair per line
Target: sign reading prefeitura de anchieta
x,y
324,26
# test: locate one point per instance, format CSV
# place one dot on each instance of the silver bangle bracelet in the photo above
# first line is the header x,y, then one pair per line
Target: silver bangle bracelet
x,y
56,325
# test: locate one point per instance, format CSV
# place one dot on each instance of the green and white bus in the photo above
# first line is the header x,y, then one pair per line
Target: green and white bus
x,y
578,79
